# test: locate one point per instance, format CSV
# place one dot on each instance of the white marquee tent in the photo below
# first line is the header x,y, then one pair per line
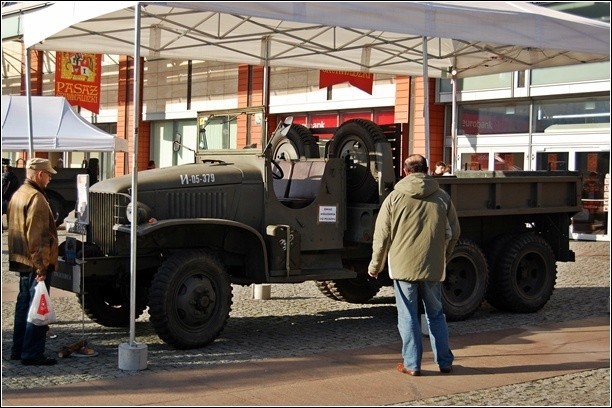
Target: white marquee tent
x,y
474,38
56,127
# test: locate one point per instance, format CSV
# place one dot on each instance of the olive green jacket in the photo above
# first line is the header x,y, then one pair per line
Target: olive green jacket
x,y
416,230
32,234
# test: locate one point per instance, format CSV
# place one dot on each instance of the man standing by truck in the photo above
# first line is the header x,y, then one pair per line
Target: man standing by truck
x,y
417,229
33,253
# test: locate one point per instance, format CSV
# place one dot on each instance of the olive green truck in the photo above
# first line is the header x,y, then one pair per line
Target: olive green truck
x,y
299,210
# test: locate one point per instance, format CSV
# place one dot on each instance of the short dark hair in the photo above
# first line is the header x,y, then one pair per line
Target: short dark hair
x,y
416,163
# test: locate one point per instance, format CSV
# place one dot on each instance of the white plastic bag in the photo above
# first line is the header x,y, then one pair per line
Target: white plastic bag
x,y
41,310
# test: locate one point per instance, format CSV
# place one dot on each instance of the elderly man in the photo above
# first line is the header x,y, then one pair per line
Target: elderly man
x,y
33,253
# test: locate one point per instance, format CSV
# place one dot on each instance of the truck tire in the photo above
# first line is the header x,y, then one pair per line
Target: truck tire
x,y
299,142
357,290
493,252
355,141
465,285
323,287
56,202
526,274
104,301
108,303
190,299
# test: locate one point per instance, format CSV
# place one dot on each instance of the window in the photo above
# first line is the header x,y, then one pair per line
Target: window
x,y
572,114
487,119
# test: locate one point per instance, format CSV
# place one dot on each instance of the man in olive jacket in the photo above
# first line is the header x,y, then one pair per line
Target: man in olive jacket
x,y
416,231
33,253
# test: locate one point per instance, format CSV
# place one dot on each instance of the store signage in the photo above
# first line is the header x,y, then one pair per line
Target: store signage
x,y
361,80
77,78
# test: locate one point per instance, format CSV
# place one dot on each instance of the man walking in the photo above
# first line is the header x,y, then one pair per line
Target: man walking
x,y
416,230
33,253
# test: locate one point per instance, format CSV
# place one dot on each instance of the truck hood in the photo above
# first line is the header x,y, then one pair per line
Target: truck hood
x,y
183,176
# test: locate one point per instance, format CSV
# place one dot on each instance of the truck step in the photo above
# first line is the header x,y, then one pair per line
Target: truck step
x,y
312,274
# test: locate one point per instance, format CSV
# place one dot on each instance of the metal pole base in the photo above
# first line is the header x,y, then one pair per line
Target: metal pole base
x,y
132,357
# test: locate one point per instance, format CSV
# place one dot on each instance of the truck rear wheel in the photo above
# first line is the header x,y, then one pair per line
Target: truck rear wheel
x,y
323,286
500,243
356,290
465,285
525,274
299,142
355,142
190,300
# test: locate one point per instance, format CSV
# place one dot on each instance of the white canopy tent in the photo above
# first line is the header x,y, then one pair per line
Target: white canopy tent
x,y
473,38
56,128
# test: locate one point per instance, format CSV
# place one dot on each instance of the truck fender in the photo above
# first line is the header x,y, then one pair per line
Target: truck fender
x,y
231,236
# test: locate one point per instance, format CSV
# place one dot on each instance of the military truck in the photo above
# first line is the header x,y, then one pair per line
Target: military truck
x,y
303,209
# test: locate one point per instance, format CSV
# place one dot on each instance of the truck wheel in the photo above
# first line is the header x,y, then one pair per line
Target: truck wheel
x,y
57,208
526,274
355,142
190,300
357,290
109,305
323,286
299,142
493,251
465,285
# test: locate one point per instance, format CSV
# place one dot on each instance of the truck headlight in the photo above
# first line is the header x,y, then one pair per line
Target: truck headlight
x,y
143,213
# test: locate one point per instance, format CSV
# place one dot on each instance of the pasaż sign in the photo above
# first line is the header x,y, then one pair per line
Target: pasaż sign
x,y
77,78
361,80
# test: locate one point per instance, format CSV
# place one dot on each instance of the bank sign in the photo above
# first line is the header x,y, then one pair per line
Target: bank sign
x,y
77,78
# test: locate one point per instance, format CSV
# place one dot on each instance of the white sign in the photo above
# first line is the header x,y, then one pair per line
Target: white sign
x,y
327,213
83,198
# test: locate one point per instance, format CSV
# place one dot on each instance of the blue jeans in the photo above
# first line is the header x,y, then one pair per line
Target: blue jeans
x,y
407,297
28,339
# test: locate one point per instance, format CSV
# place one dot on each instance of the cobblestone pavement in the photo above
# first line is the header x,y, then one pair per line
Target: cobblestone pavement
x,y
299,320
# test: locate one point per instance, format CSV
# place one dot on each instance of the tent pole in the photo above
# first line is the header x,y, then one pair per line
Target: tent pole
x,y
29,104
426,99
454,157
132,355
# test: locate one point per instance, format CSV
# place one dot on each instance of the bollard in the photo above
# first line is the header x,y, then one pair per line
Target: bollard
x,y
261,291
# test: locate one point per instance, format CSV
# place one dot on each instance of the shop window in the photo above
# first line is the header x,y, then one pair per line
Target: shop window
x,y
571,115
593,219
475,161
490,119
509,161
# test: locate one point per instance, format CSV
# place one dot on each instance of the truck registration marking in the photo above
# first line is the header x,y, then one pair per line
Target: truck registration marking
x,y
197,178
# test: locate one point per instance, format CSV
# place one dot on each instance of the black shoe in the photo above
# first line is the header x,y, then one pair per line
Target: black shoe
x,y
15,357
41,361
446,370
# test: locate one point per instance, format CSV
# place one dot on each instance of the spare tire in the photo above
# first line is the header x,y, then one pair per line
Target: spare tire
x,y
299,142
355,142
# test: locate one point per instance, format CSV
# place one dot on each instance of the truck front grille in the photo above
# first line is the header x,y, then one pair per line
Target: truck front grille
x,y
106,210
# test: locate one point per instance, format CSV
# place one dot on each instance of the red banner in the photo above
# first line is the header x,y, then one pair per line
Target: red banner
x,y
361,80
77,78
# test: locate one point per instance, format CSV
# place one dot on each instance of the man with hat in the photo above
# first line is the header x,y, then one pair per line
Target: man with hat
x,y
33,253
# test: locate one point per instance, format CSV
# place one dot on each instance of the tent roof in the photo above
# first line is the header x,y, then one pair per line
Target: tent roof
x,y
476,38
55,127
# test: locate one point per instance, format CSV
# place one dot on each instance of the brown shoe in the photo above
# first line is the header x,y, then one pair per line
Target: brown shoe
x,y
446,370
400,367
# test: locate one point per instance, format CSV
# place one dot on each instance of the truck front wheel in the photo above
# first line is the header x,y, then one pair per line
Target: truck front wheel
x,y
526,273
107,302
190,300
465,285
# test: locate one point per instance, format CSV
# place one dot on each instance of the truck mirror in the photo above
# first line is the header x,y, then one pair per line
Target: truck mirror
x,y
176,144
